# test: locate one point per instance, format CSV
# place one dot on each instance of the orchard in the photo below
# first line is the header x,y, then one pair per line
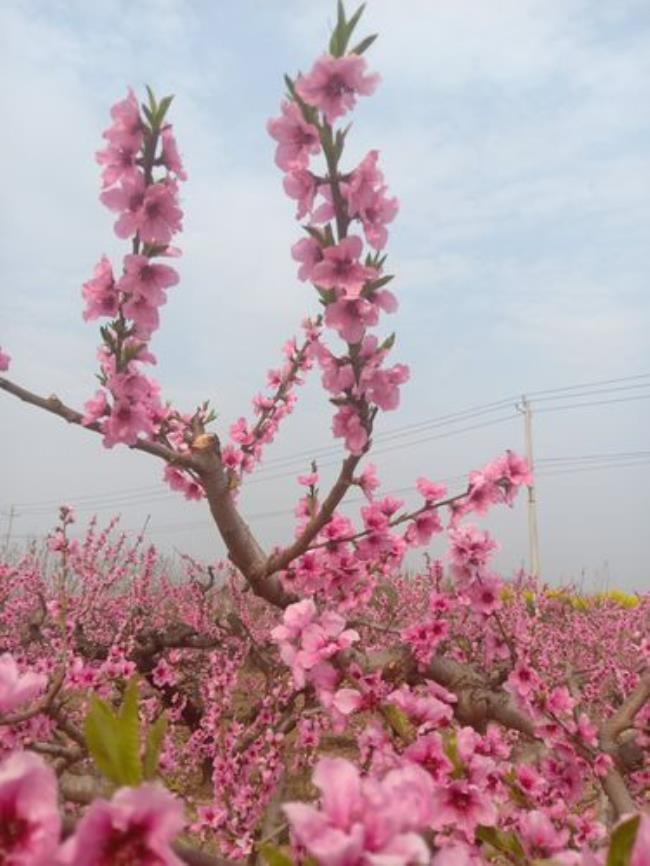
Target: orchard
x,y
315,703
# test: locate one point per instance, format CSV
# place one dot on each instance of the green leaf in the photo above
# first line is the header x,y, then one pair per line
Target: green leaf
x,y
129,736
315,233
622,842
378,284
329,236
153,106
451,750
388,343
290,87
506,842
327,296
148,114
399,722
275,856
162,109
352,23
364,45
155,737
100,730
131,352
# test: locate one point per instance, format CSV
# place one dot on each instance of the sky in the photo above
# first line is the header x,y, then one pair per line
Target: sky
x,y
516,136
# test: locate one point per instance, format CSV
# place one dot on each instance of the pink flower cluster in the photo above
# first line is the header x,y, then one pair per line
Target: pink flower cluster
x,y
370,821
350,287
307,640
129,406
244,451
135,826
5,360
16,688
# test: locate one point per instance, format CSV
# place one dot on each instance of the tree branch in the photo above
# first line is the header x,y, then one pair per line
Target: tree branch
x,y
55,406
281,560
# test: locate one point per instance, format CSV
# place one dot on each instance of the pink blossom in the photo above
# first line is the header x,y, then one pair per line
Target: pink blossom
x,y
333,84
169,154
369,822
422,527
295,619
137,825
368,481
374,218
469,550
365,194
127,200
144,277
539,837
100,293
560,701
484,594
29,817
150,211
523,679
160,217
95,408
455,854
5,360
341,268
462,806
126,421
178,480
296,138
127,129
428,751
346,423
309,252
586,730
300,185
382,386
351,318
421,709
430,490
347,701
17,689
119,163
143,314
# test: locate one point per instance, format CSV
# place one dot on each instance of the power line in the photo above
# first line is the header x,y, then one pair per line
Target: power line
x,y
593,403
590,384
141,495
284,512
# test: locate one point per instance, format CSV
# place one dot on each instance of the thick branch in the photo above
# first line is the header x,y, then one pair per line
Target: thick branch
x,y
244,549
624,716
282,559
613,783
72,416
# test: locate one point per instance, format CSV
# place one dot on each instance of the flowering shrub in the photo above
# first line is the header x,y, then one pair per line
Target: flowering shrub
x,y
441,718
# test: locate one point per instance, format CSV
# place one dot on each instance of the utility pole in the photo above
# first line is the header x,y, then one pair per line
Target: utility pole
x,y
533,537
12,514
